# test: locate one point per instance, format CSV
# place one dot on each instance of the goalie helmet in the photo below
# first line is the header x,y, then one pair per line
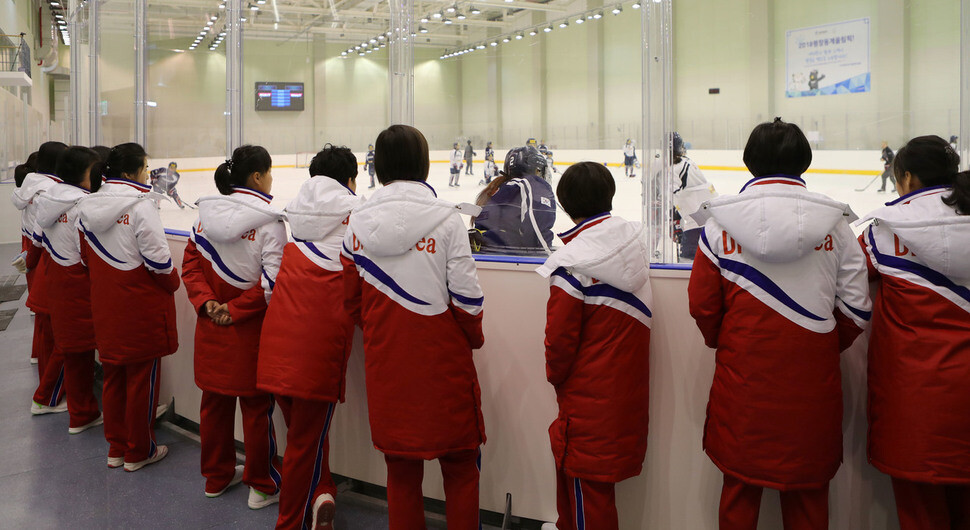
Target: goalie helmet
x,y
677,145
526,160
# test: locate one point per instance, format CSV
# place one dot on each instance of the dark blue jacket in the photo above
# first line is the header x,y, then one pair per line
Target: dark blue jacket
x,y
509,229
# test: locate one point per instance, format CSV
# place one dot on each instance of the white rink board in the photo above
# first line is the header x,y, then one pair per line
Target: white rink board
x,y
679,487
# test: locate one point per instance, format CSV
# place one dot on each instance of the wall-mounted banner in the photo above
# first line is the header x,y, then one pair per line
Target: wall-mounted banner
x,y
828,59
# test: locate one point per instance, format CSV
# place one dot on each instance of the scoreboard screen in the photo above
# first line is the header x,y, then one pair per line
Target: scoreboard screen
x,y
279,96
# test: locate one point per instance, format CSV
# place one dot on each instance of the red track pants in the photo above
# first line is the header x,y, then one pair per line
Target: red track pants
x,y
50,390
75,372
585,503
923,506
129,399
800,509
405,501
306,464
216,426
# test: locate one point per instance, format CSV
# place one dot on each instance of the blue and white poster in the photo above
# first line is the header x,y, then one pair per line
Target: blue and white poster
x,y
828,59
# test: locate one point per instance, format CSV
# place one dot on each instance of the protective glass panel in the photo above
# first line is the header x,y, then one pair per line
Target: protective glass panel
x,y
186,103
511,94
859,78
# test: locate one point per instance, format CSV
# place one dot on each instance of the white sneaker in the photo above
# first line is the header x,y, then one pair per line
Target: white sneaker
x,y
259,500
78,430
161,452
115,462
236,479
37,409
160,410
323,512
33,360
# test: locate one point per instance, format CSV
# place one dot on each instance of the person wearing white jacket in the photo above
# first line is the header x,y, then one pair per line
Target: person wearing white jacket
x,y
69,285
307,336
34,262
130,266
779,289
690,190
229,269
412,286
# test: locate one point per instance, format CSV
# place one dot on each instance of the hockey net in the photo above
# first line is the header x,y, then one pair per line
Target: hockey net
x,y
303,159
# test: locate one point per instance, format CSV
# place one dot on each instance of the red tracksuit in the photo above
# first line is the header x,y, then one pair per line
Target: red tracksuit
x,y
131,267
918,249
597,357
233,257
69,298
778,287
50,391
304,365
413,287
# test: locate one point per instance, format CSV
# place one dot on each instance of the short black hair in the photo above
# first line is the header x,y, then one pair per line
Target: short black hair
x,y
338,163
934,162
47,155
401,153
74,162
777,148
586,189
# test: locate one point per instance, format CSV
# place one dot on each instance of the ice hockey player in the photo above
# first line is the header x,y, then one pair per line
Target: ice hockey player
x,y
887,166
491,170
469,158
629,158
778,288
518,207
163,181
691,190
550,163
489,151
456,166
597,350
369,165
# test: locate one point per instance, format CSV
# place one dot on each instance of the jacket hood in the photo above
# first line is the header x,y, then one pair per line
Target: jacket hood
x,y
398,215
933,231
99,211
226,218
33,184
776,226
56,201
319,208
613,251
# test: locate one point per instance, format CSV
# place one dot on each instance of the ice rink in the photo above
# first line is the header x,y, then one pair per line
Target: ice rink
x,y
838,174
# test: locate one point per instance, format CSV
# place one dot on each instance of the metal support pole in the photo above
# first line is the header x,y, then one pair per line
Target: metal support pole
x,y
656,28
963,142
401,67
73,30
234,75
94,83
141,72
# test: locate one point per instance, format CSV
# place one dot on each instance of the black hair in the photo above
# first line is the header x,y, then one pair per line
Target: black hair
x,y
777,148
586,189
401,153
246,160
47,156
98,171
20,172
338,163
74,162
124,159
933,161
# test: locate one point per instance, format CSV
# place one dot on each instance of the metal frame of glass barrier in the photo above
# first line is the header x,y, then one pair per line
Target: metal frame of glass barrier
x,y
656,114
963,144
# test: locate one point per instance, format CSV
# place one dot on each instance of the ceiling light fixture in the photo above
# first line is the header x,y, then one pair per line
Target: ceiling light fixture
x,y
475,11
460,16
580,20
422,29
547,29
636,5
617,9
519,36
564,23
452,9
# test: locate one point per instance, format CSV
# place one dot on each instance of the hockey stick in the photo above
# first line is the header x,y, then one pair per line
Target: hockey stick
x,y
870,183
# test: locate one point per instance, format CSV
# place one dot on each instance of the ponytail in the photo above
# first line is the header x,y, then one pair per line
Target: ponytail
x,y
245,161
960,198
124,159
